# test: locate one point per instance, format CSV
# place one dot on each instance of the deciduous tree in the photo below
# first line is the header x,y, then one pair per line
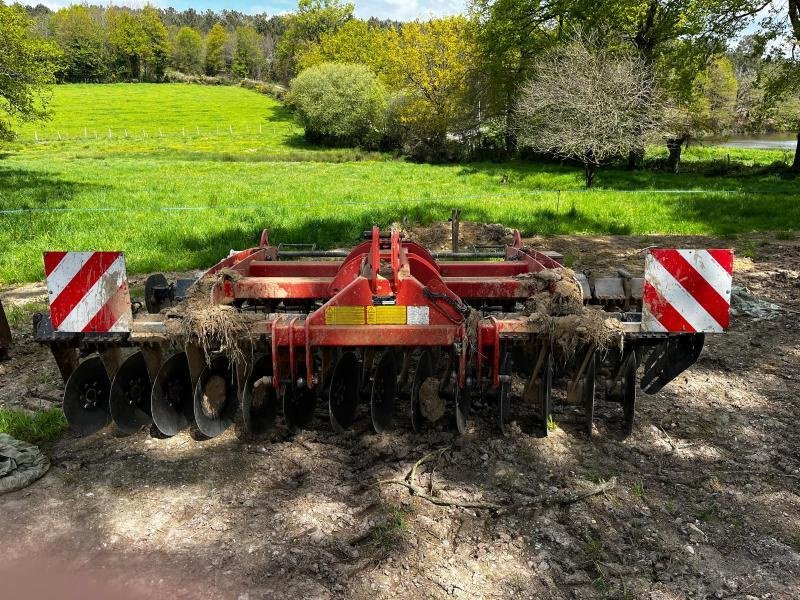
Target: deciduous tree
x,y
82,39
312,20
215,49
588,105
188,51
27,66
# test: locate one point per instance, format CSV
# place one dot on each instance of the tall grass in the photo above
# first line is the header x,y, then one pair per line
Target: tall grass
x,y
122,193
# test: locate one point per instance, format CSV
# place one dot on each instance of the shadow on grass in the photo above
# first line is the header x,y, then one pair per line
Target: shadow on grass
x,y
26,189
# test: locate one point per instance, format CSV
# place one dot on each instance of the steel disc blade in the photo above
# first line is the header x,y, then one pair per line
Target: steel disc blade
x,y
86,397
215,398
588,394
423,371
298,407
384,392
344,392
172,398
259,399
129,400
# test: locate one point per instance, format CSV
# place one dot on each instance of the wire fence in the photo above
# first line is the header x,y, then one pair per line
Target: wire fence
x,y
140,134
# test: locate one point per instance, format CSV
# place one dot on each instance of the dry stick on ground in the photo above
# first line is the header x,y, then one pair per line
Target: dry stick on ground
x,y
563,500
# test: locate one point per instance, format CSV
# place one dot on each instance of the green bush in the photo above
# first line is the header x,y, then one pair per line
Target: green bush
x,y
340,104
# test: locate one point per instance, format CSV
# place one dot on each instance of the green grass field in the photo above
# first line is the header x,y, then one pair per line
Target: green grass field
x,y
204,169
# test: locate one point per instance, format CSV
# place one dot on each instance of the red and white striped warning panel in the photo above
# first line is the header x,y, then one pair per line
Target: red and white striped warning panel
x,y
88,291
687,290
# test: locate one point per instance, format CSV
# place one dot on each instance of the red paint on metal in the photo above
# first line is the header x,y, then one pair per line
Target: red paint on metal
x,y
51,261
664,312
695,284
78,287
107,316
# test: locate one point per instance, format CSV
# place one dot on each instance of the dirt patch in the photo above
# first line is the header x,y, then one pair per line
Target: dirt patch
x,y
707,502
431,404
437,236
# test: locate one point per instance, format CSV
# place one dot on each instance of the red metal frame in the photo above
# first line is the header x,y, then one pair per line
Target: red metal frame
x,y
379,272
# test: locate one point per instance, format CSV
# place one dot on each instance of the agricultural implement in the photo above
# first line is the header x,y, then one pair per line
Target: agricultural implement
x,y
5,335
387,333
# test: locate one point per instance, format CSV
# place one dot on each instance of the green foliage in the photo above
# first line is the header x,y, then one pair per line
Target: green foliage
x,y
27,65
215,49
313,19
248,58
40,428
82,39
158,50
714,93
188,52
431,66
340,104
139,43
356,41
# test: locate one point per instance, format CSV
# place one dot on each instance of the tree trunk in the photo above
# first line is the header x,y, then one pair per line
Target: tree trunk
x,y
590,171
675,147
796,163
635,159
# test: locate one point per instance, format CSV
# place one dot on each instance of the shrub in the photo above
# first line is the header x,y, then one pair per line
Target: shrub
x,y
340,104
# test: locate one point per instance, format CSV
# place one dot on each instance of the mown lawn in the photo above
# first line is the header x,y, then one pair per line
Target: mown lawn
x,y
185,199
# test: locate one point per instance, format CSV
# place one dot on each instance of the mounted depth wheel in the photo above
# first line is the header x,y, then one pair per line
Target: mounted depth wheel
x,y
343,396
259,399
504,392
215,399
129,399
86,397
384,391
172,398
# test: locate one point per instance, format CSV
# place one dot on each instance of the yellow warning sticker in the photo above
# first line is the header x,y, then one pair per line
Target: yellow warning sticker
x,y
344,315
386,315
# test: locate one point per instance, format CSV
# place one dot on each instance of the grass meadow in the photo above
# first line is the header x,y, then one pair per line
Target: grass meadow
x,y
176,175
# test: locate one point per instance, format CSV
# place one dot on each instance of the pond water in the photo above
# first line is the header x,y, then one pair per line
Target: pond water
x,y
764,141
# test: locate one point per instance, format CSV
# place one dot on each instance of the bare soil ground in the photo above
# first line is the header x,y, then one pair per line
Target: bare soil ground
x,y
706,502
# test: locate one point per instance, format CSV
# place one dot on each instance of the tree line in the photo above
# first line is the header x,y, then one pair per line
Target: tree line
x,y
466,86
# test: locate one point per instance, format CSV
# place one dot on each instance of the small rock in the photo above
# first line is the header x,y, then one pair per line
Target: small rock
x,y
689,550
543,566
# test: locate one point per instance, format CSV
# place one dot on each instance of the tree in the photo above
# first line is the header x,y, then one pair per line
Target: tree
x,y
340,104
248,58
354,42
783,79
215,49
673,37
588,105
128,41
158,49
431,64
81,38
313,19
714,93
188,54
27,66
